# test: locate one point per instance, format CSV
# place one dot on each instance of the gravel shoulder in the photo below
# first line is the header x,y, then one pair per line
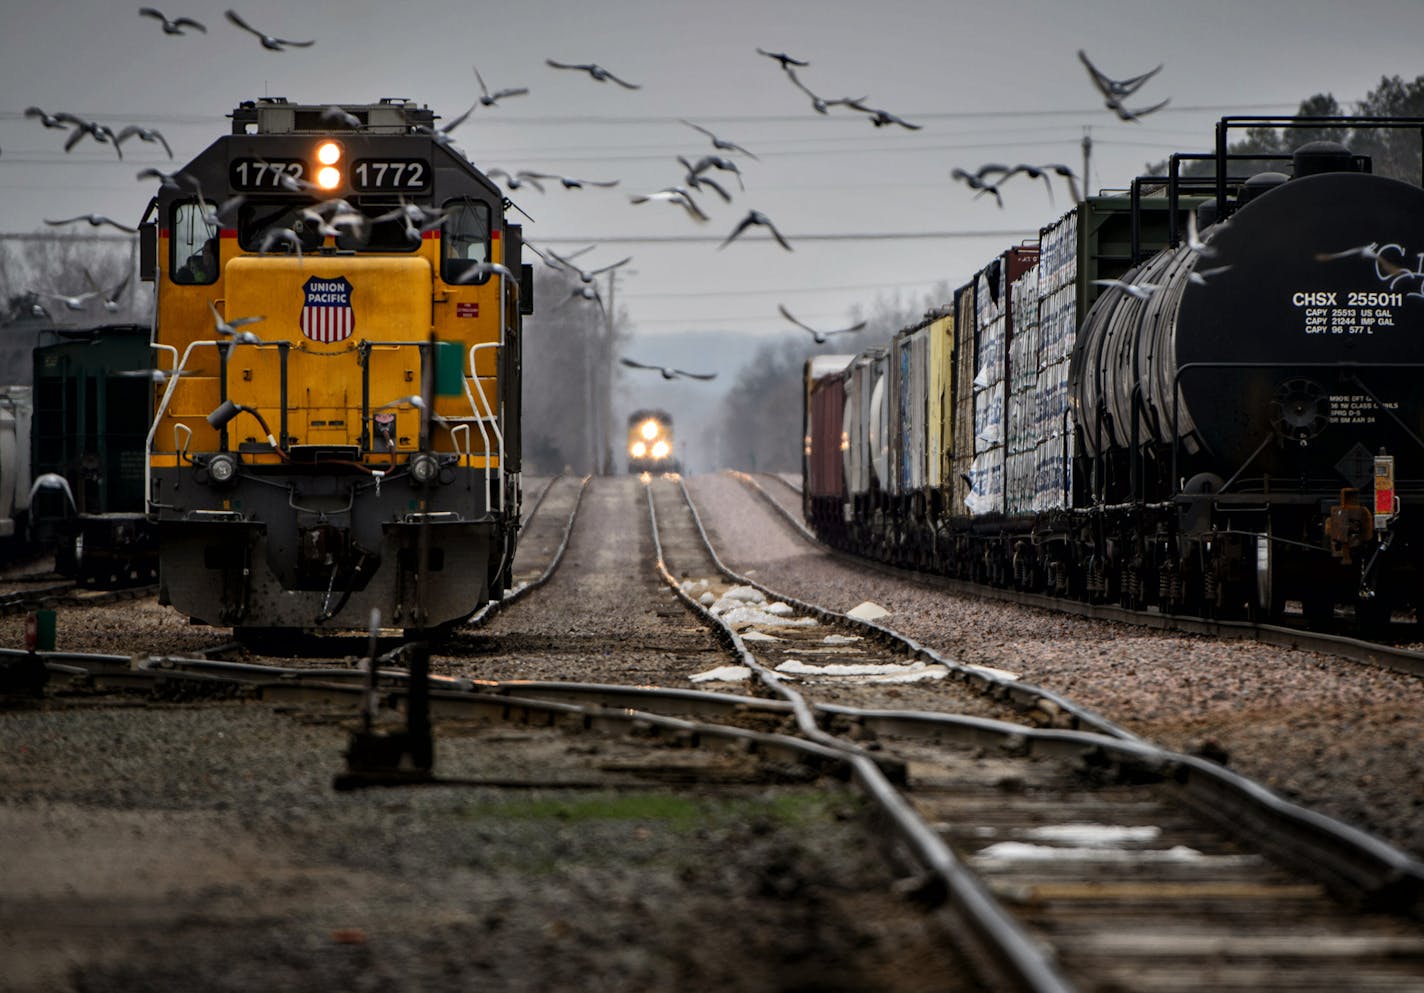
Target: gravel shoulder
x,y
1337,736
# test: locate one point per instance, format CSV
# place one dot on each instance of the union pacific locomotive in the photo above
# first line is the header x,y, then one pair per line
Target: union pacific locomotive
x,y
1128,410
339,304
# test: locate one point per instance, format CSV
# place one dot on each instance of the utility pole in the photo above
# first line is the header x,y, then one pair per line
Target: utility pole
x,y
1087,160
606,414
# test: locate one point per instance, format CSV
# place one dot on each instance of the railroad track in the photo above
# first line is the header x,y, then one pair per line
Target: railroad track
x,y
1386,656
67,594
1167,871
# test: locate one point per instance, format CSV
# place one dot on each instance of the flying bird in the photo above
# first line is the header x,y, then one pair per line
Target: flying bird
x,y
721,144
110,297
880,118
674,194
1200,276
818,103
976,181
59,121
281,236
1194,241
157,376
94,220
596,71
786,61
341,116
755,217
1033,172
585,276
488,99
696,181
268,41
482,269
174,26
168,180
1114,91
518,179
717,162
569,182
1139,291
143,134
819,336
101,133
232,327
79,302
668,372
441,136
1110,87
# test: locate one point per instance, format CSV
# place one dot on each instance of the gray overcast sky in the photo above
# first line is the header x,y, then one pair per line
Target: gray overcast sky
x,y
988,82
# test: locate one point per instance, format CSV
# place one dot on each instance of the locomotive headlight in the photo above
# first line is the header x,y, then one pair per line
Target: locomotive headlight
x,y
328,177
649,430
424,467
222,468
328,153
638,450
660,449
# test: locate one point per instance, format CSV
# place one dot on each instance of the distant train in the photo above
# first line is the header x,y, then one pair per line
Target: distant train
x,y
341,293
71,452
1124,410
650,442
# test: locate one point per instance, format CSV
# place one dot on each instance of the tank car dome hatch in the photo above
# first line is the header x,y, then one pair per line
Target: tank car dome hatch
x,y
1316,157
1262,182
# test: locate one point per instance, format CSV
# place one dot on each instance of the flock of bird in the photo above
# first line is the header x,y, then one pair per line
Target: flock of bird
x,y
697,179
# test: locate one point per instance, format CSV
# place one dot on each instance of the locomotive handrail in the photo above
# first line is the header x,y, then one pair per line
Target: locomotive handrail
x,y
487,415
179,365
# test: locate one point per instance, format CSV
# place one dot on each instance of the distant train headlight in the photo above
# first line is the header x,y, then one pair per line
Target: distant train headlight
x,y
638,450
660,449
222,468
649,430
424,468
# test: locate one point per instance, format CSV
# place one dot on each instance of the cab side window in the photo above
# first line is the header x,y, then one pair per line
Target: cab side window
x,y
464,240
193,242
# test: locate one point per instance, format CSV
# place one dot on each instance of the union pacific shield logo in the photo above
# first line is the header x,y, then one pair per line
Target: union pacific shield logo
x,y
326,311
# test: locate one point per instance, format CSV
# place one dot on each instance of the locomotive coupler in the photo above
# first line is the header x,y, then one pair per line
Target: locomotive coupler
x,y
1349,527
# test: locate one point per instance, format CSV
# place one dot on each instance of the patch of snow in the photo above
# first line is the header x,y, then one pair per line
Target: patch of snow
x,y
910,672
779,609
1096,835
840,639
723,674
1018,851
868,611
759,636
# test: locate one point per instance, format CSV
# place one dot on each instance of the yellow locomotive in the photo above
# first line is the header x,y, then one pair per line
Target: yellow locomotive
x,y
339,301
650,442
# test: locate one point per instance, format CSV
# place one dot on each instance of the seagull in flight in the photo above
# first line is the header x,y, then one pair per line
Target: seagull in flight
x,y
143,134
76,303
596,71
716,162
569,182
268,41
667,371
674,194
94,220
156,376
521,178
233,326
1139,291
101,133
720,144
1110,87
59,121
482,269
1115,91
696,181
1194,241
819,336
755,217
976,181
281,236
337,115
820,104
110,297
174,26
488,99
1200,276
441,136
585,276
880,118
168,180
786,61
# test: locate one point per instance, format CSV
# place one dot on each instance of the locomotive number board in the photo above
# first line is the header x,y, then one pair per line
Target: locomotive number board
x,y
256,175
390,175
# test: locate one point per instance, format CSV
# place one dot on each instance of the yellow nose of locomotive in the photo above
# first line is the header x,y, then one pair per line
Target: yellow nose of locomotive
x,y
323,307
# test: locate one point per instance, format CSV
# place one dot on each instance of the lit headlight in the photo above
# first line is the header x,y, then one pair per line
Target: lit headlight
x,y
222,468
649,430
329,153
328,177
660,449
638,450
424,468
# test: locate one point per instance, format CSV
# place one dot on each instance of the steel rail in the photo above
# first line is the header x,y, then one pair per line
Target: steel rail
x,y
1402,660
1026,696
1016,957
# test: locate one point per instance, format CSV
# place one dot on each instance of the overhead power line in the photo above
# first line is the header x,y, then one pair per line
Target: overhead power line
x,y
703,239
